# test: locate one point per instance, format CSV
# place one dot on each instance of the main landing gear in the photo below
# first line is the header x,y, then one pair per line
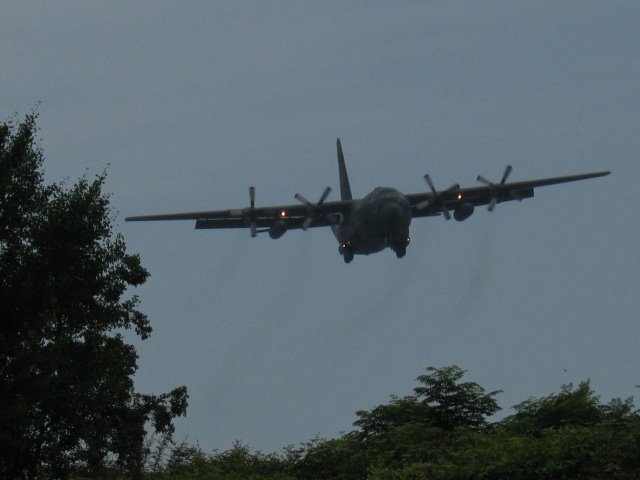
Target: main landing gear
x,y
346,251
400,246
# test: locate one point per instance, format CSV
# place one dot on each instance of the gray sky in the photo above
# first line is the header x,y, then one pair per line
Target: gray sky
x,y
191,102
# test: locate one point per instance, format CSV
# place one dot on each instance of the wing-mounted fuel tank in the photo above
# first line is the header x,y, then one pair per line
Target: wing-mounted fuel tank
x,y
463,211
278,229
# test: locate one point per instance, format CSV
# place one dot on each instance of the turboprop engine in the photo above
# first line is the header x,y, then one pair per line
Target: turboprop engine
x,y
278,229
463,212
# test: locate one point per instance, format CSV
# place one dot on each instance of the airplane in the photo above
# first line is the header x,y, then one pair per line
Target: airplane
x,y
377,221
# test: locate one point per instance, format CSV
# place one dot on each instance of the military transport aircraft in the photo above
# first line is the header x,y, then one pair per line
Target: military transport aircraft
x,y
379,220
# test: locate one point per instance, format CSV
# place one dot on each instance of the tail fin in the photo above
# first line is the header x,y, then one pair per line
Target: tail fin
x,y
345,188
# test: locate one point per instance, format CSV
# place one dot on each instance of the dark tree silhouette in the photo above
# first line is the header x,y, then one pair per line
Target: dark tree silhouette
x,y
452,403
66,390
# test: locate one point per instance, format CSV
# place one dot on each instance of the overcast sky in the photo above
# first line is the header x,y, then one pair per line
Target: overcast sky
x,y
189,103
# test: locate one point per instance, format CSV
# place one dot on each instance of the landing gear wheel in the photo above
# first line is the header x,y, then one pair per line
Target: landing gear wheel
x,y
401,251
346,251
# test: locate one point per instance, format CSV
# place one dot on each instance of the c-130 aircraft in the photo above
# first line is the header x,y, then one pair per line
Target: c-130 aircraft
x,y
377,221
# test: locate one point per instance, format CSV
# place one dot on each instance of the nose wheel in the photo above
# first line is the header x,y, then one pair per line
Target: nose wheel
x,y
346,251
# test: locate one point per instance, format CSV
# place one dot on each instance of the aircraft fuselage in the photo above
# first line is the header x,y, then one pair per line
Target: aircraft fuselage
x,y
379,220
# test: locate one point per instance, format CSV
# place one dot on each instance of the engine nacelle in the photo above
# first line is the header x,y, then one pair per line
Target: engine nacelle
x,y
278,229
463,212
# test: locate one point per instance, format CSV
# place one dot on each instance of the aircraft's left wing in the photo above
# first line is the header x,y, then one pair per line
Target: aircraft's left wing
x,y
274,219
462,200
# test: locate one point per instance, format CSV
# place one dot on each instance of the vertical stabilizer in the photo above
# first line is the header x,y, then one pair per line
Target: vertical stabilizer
x,y
345,188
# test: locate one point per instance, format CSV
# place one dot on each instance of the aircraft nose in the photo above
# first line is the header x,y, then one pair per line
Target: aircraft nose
x,y
394,217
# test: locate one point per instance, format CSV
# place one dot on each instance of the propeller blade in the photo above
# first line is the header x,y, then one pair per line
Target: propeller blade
x,y
252,203
495,188
427,177
507,171
324,195
484,180
424,204
307,222
252,196
301,198
314,210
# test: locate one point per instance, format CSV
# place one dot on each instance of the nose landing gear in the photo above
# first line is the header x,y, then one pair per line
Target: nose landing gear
x,y
346,251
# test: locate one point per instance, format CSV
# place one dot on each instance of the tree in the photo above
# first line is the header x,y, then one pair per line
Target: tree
x,y
441,402
319,458
398,412
569,407
66,387
452,404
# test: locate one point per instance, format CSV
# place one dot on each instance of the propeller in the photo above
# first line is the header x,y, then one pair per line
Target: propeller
x,y
314,210
437,196
495,186
252,209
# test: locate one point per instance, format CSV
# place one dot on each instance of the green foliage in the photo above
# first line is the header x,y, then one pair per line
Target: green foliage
x,y
454,404
568,407
65,372
441,402
595,452
618,409
237,463
399,411
441,433
336,458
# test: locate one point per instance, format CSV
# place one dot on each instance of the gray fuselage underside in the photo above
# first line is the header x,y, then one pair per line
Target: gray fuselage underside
x,y
374,222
